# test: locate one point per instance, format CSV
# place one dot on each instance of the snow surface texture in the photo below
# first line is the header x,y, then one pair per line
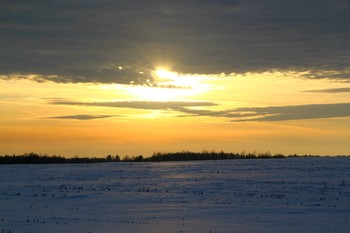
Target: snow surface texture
x,y
274,195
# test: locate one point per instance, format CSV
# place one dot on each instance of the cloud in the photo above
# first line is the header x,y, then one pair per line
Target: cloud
x,y
332,90
270,113
296,112
86,41
214,113
341,75
277,113
144,105
82,117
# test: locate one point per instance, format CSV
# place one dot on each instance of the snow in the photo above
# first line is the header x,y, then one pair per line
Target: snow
x,y
272,195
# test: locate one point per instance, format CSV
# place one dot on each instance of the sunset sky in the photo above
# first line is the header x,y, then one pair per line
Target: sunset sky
x,y
99,77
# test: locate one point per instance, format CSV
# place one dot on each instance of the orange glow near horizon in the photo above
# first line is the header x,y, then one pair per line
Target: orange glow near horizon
x,y
31,121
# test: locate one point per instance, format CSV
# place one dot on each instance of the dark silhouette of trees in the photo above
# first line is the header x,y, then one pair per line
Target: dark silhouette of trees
x,y
34,158
206,155
31,158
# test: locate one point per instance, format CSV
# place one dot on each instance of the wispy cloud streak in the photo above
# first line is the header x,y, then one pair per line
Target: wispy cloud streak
x,y
297,112
145,105
331,90
270,113
82,117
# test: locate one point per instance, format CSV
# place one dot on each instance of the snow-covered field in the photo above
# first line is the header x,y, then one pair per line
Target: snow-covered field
x,y
273,195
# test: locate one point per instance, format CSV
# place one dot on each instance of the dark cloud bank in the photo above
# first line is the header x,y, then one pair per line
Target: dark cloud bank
x,y
86,41
271,113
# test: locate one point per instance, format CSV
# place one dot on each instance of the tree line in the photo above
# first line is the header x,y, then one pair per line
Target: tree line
x,y
35,158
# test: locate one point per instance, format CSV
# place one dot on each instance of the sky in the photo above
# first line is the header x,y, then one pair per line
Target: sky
x,y
99,77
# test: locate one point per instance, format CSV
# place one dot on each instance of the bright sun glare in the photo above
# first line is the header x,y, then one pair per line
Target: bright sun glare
x,y
161,73
169,86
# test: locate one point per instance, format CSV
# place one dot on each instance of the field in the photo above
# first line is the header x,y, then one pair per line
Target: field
x,y
257,195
